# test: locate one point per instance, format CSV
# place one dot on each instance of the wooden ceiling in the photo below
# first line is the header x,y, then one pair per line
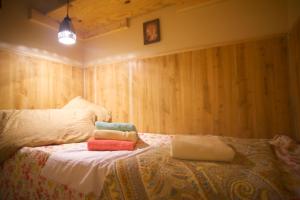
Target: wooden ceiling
x,y
92,18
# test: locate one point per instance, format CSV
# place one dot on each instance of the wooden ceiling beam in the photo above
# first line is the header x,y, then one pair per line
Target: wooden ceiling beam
x,y
38,17
94,18
44,20
191,4
107,29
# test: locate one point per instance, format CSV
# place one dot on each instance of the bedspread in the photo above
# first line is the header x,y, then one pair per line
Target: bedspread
x,y
155,175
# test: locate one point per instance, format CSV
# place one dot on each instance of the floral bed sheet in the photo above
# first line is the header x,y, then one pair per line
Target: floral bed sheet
x,y
155,175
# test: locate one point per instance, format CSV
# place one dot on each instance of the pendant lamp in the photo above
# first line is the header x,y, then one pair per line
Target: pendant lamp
x,y
66,33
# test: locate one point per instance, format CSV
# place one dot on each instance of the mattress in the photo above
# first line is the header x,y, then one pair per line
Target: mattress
x,y
253,174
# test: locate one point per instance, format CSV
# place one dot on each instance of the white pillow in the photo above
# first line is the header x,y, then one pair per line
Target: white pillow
x,y
204,147
44,127
101,113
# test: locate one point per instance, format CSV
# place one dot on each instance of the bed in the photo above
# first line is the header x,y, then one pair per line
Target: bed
x,y
253,174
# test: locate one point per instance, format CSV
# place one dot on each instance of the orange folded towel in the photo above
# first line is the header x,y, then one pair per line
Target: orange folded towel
x,y
109,145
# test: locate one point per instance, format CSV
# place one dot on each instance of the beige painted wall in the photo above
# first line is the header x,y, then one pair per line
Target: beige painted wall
x,y
230,20
18,32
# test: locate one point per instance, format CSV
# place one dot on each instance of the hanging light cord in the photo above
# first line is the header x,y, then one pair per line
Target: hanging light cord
x,y
68,2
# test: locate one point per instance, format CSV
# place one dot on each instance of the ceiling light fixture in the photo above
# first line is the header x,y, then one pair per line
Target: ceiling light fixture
x,y
66,34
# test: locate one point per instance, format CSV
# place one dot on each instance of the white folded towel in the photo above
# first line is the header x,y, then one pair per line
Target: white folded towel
x,y
206,148
115,135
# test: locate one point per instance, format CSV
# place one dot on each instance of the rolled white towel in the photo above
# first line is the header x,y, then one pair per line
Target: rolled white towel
x,y
206,148
115,135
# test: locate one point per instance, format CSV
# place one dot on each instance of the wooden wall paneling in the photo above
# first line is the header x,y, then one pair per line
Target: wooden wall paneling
x,y
243,104
178,95
30,82
276,64
254,89
144,79
24,81
266,78
112,89
62,83
89,87
167,97
58,83
77,83
186,94
53,82
221,62
294,77
5,74
235,90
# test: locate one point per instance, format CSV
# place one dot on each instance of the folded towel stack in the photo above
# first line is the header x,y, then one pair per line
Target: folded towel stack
x,y
115,126
113,137
206,148
110,145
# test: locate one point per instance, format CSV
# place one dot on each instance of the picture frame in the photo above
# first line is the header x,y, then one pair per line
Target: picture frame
x,y
151,30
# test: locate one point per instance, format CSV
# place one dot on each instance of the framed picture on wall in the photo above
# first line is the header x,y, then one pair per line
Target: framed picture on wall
x,y
151,31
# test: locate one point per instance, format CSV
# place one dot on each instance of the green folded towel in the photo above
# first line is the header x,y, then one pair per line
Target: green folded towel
x,y
115,126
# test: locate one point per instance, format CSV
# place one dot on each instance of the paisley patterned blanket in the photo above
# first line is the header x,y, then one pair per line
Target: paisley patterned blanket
x,y
155,175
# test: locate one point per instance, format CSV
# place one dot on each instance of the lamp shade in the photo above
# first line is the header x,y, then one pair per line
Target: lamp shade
x,y
66,33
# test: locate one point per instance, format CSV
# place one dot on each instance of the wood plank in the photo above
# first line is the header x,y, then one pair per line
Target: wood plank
x,y
294,77
112,89
29,82
89,83
107,85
